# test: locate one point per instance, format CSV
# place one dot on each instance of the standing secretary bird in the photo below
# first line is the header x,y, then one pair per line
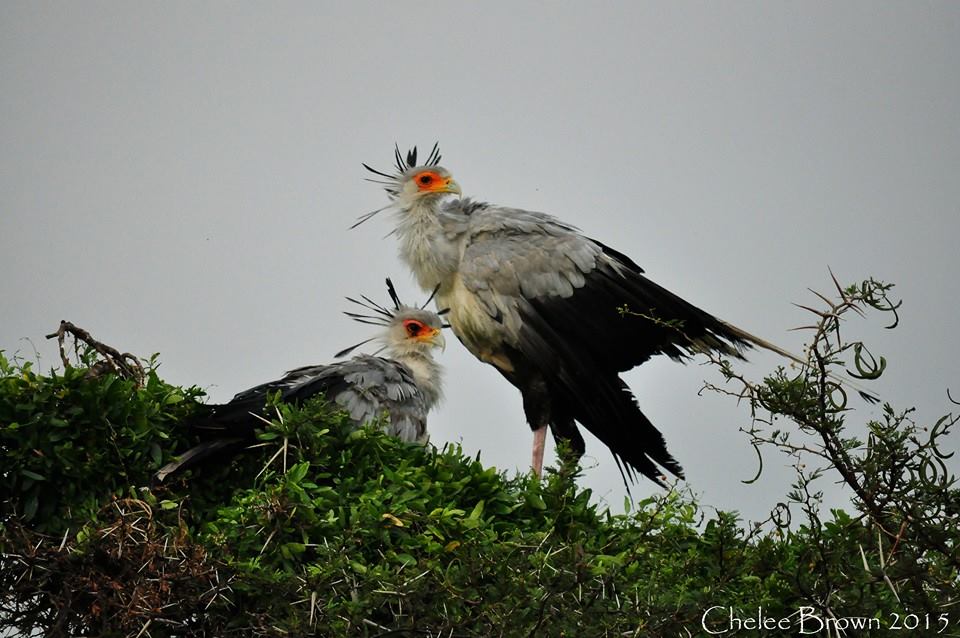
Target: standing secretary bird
x,y
560,315
403,387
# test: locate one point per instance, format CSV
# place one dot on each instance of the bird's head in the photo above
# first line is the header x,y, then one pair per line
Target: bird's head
x,y
413,184
424,182
407,330
414,330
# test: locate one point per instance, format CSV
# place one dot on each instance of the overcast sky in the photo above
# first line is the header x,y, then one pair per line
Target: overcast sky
x,y
179,178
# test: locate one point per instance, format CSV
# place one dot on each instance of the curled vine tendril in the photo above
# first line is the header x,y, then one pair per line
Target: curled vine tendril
x,y
874,294
941,428
759,469
833,391
867,369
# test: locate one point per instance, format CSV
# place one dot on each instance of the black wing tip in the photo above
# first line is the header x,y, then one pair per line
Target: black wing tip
x,y
654,474
648,467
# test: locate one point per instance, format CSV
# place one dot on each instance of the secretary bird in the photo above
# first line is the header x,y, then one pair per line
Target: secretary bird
x,y
559,314
402,387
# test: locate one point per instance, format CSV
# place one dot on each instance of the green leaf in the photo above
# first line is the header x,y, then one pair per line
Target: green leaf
x,y
534,500
477,511
173,398
289,550
33,475
30,507
296,473
405,559
156,454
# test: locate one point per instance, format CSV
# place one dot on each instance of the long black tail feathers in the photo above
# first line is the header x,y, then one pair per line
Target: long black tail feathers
x,y
195,455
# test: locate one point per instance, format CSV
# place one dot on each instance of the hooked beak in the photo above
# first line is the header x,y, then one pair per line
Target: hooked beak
x,y
451,186
437,339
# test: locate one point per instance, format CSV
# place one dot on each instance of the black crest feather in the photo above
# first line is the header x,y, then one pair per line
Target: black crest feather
x,y
392,185
410,161
393,294
433,294
434,158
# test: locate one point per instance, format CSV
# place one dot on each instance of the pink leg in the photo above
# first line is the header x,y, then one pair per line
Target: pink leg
x,y
539,437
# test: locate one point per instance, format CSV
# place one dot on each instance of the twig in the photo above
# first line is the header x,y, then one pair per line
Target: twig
x,y
124,364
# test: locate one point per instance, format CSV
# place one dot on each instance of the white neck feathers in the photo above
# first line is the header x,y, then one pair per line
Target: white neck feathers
x,y
427,373
424,246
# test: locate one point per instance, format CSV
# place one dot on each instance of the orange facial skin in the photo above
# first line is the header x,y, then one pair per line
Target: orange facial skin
x,y
433,182
418,330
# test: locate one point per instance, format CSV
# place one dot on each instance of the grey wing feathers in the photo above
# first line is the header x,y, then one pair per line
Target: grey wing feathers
x,y
513,256
366,387
373,386
520,263
557,299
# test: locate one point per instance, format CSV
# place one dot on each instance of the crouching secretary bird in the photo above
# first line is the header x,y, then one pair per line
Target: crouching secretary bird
x,y
544,305
402,387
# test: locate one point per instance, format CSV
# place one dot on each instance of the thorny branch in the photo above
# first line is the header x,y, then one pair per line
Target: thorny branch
x,y
901,484
131,574
123,364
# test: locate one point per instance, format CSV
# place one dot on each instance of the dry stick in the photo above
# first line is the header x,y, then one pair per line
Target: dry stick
x,y
124,364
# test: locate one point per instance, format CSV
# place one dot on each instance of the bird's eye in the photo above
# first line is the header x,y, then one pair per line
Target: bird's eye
x,y
413,328
430,182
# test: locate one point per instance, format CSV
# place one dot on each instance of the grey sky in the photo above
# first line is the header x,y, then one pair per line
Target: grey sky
x,y
179,178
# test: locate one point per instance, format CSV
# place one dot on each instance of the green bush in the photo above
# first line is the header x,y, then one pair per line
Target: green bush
x,y
67,440
320,529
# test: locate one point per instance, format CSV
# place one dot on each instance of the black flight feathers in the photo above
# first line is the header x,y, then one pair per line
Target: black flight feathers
x,y
580,344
